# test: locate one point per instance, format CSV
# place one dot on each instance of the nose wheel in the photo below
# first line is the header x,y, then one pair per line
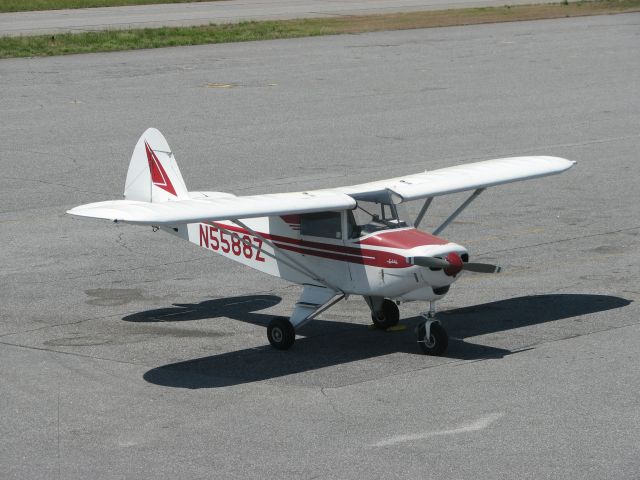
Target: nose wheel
x,y
432,337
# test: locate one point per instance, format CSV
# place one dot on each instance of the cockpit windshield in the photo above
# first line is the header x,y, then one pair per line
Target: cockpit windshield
x,y
373,216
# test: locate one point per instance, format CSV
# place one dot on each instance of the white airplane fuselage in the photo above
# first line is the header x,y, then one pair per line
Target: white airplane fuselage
x,y
372,265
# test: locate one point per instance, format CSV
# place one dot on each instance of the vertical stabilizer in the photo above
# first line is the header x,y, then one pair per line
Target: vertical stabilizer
x,y
153,174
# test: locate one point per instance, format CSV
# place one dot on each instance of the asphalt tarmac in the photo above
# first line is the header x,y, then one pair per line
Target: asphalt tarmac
x,y
203,13
126,353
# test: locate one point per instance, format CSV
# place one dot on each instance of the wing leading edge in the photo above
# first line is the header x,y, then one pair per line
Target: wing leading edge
x,y
460,178
211,209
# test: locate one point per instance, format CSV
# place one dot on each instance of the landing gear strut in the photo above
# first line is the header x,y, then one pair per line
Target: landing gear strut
x,y
432,337
314,300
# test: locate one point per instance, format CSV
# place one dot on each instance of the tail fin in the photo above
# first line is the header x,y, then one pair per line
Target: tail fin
x,y
153,174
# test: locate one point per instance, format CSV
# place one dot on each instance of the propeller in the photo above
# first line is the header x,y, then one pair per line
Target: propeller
x,y
453,264
481,267
430,262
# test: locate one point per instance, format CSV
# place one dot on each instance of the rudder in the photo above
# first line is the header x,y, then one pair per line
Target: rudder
x,y
153,174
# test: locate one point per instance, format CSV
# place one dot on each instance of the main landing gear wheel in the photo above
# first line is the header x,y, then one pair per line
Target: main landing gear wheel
x,y
388,316
281,333
438,339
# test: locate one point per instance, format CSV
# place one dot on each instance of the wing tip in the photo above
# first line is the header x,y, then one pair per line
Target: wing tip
x,y
76,212
93,211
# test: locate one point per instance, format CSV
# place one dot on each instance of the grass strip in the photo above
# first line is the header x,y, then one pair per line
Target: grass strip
x,y
31,5
113,40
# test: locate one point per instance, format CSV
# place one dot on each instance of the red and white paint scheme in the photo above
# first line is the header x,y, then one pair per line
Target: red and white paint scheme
x,y
334,242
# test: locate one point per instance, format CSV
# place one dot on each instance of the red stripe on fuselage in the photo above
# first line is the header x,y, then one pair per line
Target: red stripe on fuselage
x,y
295,241
371,257
404,239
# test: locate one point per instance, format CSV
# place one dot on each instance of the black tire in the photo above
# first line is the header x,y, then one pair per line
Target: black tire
x,y
281,333
388,316
438,340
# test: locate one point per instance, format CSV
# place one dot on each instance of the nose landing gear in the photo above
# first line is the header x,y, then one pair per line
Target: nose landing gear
x,y
432,337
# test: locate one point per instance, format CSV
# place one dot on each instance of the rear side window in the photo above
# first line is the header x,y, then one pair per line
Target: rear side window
x,y
322,224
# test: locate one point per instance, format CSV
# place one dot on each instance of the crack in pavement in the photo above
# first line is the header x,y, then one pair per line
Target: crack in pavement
x,y
345,419
74,354
71,187
552,242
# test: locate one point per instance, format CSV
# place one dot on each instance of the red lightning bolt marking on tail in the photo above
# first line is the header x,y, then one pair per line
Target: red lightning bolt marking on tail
x,y
158,175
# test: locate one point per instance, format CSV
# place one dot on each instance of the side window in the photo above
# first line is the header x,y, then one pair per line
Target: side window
x,y
322,224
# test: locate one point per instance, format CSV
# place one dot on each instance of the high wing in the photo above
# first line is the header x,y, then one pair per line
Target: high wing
x,y
191,207
220,207
470,176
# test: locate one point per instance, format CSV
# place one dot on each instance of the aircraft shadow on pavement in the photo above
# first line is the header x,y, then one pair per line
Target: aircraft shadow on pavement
x,y
325,343
238,308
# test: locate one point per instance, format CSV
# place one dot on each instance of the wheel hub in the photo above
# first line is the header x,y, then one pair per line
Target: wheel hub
x,y
430,342
276,333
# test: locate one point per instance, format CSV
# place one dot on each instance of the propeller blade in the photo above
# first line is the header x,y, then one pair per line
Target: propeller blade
x,y
429,262
481,267
433,262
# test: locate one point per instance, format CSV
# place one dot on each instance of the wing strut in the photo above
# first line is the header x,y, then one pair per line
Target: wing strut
x,y
290,262
458,211
423,210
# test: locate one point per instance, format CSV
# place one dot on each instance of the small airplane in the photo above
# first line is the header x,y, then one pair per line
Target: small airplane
x,y
335,242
